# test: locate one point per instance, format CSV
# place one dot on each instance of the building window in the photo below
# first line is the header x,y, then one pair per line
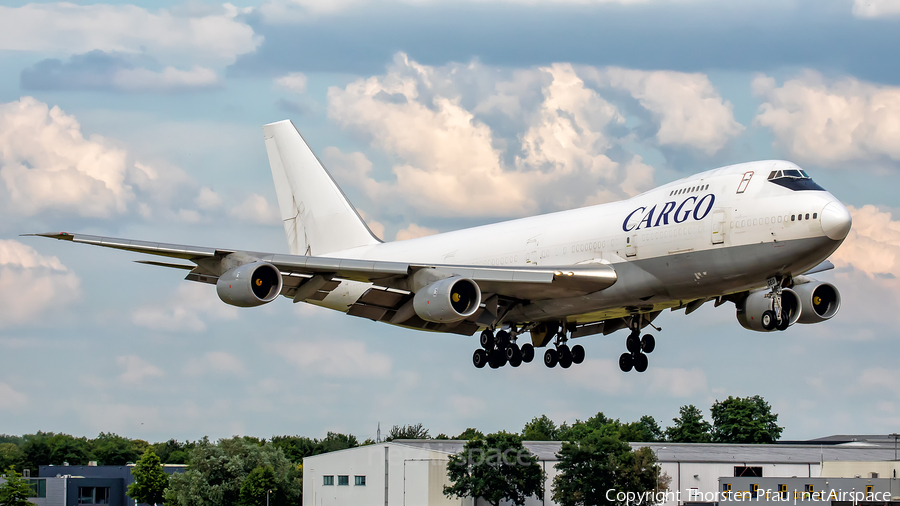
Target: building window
x,y
748,471
869,491
726,487
93,495
38,488
754,490
343,480
328,481
782,490
359,481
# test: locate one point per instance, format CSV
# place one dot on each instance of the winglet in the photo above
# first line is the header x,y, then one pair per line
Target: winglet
x,y
63,236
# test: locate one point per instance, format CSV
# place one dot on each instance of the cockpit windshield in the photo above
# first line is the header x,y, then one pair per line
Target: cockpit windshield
x,y
794,179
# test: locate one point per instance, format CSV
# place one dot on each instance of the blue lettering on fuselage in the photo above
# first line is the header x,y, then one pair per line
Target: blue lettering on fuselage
x,y
681,212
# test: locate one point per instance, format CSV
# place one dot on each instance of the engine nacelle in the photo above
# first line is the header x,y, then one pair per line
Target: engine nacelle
x,y
819,300
448,300
750,310
250,285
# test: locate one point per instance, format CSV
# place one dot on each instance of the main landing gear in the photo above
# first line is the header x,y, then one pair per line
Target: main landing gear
x,y
561,353
501,349
638,347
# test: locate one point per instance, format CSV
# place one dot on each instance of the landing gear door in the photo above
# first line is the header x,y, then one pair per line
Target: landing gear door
x,y
718,227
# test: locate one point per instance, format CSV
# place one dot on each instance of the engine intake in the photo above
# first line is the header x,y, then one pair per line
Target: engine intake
x,y
448,300
250,285
820,301
751,309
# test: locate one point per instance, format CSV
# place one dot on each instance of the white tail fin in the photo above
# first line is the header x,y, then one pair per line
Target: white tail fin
x,y
318,218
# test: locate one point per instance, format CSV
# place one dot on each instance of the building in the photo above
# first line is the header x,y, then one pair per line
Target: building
x,y
414,472
77,485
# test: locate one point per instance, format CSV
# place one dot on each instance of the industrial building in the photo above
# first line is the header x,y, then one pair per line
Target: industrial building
x,y
77,485
414,472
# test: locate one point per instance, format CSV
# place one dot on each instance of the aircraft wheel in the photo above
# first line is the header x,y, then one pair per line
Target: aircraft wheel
x,y
512,351
768,320
577,354
527,353
502,339
633,343
640,362
551,358
565,356
626,362
785,321
487,339
480,358
648,343
497,359
516,359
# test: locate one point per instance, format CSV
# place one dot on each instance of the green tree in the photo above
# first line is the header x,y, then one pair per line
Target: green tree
x,y
14,491
216,473
335,441
496,467
588,468
113,450
35,451
742,420
650,430
690,427
470,433
540,429
259,483
416,431
10,456
296,448
172,451
150,481
65,448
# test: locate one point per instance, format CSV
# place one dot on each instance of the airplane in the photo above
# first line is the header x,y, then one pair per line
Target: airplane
x,y
750,234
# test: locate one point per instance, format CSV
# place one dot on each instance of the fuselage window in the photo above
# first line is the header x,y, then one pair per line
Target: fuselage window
x,y
799,217
745,181
779,219
815,216
807,216
792,217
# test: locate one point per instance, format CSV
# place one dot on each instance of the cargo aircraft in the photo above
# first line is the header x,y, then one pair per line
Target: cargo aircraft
x,y
749,234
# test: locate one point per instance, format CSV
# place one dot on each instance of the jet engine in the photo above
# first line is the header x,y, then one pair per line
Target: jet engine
x,y
751,310
249,285
819,300
447,300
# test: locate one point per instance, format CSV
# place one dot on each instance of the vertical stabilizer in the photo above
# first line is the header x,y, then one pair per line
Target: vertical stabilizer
x,y
318,218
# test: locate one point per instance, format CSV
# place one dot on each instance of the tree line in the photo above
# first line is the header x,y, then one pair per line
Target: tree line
x,y
242,471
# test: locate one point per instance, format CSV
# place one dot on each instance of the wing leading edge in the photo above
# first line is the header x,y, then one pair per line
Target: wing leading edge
x,y
523,283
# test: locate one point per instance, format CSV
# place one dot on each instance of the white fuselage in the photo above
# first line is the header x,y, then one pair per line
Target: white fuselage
x,y
709,234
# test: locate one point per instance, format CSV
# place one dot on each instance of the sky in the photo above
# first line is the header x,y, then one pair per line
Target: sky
x,y
143,120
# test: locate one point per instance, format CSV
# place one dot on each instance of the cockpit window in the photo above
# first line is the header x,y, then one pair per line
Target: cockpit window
x,y
793,179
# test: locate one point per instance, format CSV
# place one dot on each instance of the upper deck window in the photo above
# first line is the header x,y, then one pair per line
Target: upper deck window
x,y
793,179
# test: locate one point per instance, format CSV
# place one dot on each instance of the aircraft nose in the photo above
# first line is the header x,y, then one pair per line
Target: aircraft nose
x,y
836,221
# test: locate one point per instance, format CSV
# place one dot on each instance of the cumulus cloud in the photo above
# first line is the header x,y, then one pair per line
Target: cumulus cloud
x,y
475,140
207,199
604,376
213,33
876,8
688,107
45,162
376,227
334,358
97,70
215,362
873,244
186,311
31,283
294,82
11,399
414,231
830,121
256,209
136,369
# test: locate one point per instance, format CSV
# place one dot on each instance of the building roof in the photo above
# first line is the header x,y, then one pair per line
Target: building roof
x,y
703,452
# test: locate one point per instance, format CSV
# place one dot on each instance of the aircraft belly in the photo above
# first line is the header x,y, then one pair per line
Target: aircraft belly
x,y
653,284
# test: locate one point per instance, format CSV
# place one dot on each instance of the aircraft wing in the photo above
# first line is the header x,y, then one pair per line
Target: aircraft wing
x,y
521,283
